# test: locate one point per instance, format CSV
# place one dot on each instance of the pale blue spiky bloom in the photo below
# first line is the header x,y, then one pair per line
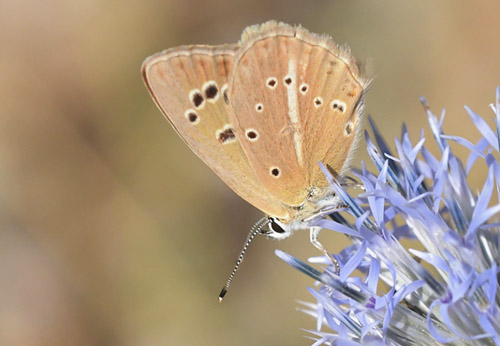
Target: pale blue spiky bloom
x,y
446,292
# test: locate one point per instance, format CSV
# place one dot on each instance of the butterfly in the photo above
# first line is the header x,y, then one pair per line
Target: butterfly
x,y
262,114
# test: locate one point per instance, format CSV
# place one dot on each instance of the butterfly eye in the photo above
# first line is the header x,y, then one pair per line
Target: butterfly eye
x,y
303,88
259,107
274,226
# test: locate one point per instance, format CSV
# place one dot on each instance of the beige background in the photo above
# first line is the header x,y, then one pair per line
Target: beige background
x,y
112,231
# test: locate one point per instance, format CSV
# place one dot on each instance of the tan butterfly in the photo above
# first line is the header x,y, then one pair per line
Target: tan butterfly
x,y
262,114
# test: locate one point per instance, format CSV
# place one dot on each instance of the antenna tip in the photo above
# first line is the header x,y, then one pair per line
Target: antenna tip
x,y
222,293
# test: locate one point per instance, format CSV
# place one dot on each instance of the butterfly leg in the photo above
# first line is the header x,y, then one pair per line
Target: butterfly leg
x,y
314,234
326,211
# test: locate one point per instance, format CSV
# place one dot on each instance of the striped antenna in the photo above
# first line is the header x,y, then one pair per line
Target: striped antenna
x,y
256,229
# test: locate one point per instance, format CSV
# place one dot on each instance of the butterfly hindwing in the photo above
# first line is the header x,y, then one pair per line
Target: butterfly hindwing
x,y
189,85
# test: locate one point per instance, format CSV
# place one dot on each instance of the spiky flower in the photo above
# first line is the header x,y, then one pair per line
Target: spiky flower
x,y
444,292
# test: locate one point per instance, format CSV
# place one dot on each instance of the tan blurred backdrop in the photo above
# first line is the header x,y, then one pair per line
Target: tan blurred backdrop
x,y
112,231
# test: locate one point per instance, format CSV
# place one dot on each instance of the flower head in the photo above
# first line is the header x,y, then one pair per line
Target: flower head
x,y
444,292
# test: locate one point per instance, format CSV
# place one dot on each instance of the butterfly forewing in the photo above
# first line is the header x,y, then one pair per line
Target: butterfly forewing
x,y
189,85
295,99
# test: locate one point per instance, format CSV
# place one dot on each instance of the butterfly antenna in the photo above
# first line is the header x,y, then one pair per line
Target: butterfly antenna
x,y
256,229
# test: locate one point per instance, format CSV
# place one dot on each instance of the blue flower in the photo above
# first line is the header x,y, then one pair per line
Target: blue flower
x,y
445,292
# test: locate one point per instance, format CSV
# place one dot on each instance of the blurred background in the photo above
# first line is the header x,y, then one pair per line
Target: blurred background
x,y
113,232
